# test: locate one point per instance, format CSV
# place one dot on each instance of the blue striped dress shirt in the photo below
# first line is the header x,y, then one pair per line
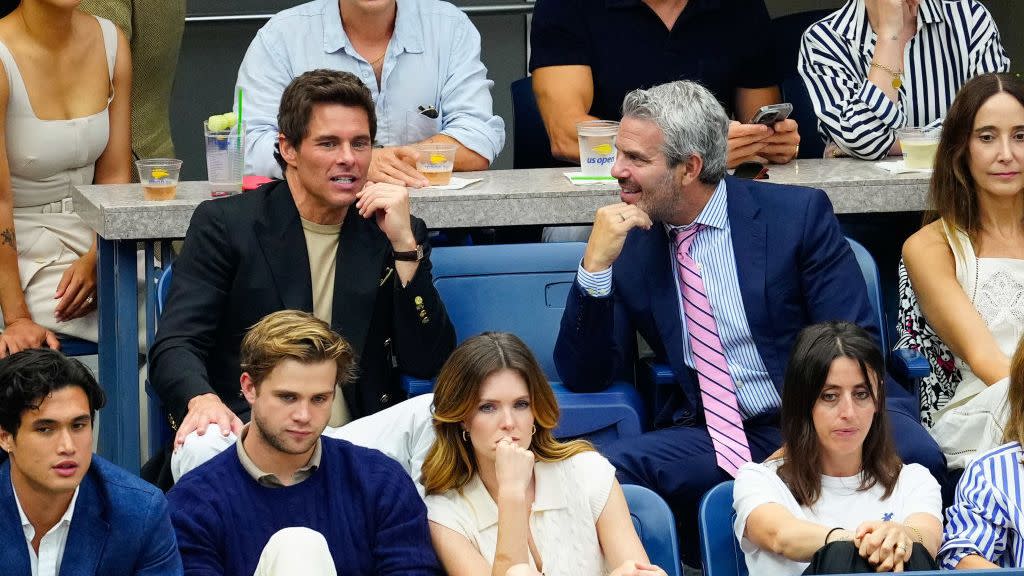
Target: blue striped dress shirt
x,y
986,517
713,252
955,41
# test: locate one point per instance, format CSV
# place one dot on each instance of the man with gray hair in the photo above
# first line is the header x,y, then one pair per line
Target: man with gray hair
x,y
718,275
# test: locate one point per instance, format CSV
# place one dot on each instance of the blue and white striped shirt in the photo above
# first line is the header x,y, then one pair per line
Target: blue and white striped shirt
x,y
713,252
955,41
986,517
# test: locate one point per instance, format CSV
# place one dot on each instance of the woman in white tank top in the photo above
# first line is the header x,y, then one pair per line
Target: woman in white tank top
x,y
967,267
64,121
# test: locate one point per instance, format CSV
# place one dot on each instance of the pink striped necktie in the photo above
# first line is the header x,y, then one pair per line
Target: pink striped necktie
x,y
717,390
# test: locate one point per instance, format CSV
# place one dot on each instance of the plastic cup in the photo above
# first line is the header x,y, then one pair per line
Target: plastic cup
x,y
919,147
159,178
436,161
597,146
225,159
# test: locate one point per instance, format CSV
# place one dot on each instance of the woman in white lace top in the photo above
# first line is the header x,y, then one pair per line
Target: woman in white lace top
x,y
967,266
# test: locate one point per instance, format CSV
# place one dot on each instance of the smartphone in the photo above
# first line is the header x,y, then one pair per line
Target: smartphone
x,y
772,113
751,171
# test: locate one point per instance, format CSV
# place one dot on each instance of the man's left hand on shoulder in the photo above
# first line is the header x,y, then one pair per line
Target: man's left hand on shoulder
x,y
782,146
389,204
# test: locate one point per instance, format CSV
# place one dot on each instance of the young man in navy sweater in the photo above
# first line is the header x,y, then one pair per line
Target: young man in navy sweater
x,y
285,500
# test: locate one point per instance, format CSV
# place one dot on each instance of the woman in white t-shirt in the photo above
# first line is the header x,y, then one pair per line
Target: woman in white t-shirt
x,y
839,478
502,493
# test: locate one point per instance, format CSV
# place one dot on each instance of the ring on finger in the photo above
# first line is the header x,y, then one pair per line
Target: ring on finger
x,y
89,299
901,547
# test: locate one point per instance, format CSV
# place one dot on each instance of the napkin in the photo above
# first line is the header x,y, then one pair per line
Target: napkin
x,y
455,183
579,179
898,167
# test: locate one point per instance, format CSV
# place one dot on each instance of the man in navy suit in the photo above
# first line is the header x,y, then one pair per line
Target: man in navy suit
x,y
64,511
763,262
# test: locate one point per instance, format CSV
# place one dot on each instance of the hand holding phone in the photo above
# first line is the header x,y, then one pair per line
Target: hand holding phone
x,y
772,113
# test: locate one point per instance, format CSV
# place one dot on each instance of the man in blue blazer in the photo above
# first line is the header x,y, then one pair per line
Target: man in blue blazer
x,y
63,511
768,259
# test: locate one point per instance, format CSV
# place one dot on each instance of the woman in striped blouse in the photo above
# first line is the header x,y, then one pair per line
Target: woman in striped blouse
x,y
983,526
875,66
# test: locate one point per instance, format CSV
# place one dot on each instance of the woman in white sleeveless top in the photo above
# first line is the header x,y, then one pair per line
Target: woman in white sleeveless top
x,y
967,267
64,121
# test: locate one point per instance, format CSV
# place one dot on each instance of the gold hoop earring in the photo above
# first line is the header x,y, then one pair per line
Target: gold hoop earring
x,y
465,437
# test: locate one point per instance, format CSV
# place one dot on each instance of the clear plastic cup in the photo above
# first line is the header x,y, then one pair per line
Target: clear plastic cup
x,y
225,159
919,147
597,146
436,161
159,178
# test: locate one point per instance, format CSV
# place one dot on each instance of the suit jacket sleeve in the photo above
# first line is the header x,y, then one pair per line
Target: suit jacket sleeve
x,y
591,341
424,336
159,555
832,283
187,332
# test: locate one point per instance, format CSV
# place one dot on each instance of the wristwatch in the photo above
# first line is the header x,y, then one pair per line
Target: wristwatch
x,y
410,256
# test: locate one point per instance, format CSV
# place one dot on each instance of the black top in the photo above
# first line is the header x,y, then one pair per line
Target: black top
x,y
723,44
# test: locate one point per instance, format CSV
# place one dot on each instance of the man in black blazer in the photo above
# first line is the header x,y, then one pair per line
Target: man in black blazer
x,y
274,248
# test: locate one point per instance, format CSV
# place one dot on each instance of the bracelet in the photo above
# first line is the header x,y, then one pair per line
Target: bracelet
x,y
829,535
897,77
917,533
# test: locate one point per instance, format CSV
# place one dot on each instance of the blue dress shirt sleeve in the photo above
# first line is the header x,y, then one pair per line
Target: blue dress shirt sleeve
x,y
596,284
263,76
466,105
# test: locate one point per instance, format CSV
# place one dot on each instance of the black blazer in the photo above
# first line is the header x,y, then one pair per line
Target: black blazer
x,y
245,257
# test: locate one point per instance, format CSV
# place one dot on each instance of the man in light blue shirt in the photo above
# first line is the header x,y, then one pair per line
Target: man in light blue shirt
x,y
419,58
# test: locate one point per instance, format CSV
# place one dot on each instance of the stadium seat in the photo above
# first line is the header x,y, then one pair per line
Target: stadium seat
x,y
719,550
522,288
656,527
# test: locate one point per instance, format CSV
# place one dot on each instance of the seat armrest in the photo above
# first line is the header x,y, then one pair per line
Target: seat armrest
x,y
909,364
415,386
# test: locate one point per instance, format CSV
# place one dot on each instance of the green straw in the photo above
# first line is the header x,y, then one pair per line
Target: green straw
x,y
239,124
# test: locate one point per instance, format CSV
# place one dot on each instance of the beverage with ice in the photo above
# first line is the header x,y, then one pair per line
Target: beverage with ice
x,y
225,153
597,146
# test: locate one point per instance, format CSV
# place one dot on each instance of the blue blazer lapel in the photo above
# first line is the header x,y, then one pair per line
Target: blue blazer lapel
x,y
13,550
89,531
750,248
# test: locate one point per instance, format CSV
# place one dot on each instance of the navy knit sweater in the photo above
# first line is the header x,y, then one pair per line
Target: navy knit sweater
x,y
363,503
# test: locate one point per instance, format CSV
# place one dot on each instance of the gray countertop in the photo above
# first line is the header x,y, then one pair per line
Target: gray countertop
x,y
505,197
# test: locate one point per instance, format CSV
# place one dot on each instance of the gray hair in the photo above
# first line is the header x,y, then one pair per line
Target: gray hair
x,y
692,121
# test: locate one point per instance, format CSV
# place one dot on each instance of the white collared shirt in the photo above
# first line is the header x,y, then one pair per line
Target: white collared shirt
x,y
51,546
569,496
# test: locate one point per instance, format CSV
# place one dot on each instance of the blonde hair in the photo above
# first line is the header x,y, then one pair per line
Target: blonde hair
x,y
451,462
294,335
1014,431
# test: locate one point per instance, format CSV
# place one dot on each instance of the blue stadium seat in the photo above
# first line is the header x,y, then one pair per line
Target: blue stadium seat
x,y
522,288
71,346
719,549
787,32
530,145
160,432
656,527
